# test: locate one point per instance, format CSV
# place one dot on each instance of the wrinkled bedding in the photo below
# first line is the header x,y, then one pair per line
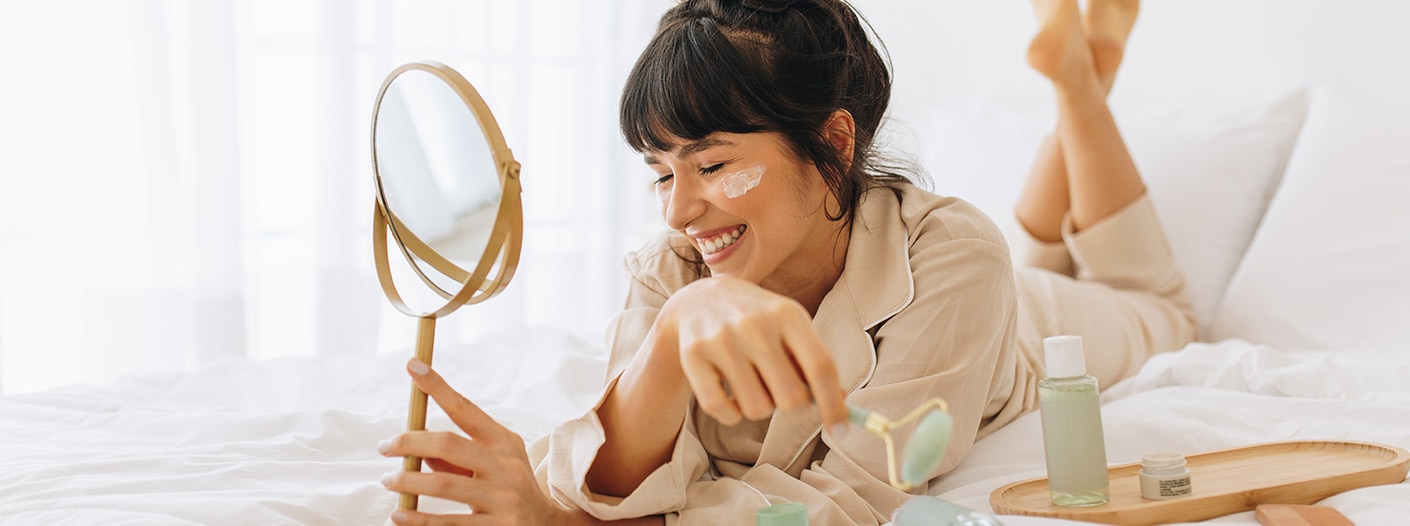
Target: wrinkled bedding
x,y
291,441
285,441
1208,397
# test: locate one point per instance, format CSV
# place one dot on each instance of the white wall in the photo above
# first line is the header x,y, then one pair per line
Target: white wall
x,y
967,57
955,49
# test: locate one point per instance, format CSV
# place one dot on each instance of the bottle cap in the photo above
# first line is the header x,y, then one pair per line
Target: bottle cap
x,y
1063,356
786,514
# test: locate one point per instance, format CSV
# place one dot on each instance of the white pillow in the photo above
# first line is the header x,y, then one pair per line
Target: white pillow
x,y
1211,171
1210,167
1330,266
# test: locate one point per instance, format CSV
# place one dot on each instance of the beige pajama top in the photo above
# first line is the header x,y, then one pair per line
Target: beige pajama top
x,y
926,306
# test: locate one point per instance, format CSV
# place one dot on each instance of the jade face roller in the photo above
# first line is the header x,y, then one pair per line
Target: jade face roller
x,y
924,450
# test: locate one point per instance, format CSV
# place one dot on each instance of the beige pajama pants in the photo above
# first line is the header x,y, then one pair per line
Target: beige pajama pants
x,y
1115,284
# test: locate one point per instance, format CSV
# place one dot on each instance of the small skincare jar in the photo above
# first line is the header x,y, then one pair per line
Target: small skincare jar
x,y
1164,476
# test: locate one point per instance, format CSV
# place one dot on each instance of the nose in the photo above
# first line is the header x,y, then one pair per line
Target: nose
x,y
681,202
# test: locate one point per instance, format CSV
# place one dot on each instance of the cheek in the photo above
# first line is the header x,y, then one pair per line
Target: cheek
x,y
771,201
736,184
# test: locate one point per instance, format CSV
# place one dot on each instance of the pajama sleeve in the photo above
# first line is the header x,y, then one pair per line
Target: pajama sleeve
x,y
956,341
953,339
562,458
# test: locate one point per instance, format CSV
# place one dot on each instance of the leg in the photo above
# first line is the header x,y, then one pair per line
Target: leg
x,y
1045,197
1102,178
1120,328
1127,300
1043,202
1108,24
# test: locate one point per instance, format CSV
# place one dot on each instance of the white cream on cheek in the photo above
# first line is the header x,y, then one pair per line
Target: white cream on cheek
x,y
739,183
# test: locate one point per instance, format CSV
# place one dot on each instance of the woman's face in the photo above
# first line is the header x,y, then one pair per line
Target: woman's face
x,y
775,232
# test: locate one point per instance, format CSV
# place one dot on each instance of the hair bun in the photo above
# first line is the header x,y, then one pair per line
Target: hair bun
x,y
768,6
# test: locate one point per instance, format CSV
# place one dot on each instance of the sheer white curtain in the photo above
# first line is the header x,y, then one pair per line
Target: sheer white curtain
x,y
189,181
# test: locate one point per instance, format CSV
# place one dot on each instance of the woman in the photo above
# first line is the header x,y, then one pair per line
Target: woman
x,y
801,272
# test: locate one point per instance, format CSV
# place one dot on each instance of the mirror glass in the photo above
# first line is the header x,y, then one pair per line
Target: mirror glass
x,y
436,170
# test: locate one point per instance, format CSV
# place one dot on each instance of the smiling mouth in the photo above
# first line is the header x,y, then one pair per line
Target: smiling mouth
x,y
718,243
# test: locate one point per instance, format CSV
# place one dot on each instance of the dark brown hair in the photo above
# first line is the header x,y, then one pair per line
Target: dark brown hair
x,y
749,66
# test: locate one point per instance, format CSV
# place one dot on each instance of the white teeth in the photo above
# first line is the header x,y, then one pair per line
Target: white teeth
x,y
716,244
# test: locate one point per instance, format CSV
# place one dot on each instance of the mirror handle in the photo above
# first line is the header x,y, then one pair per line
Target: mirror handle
x,y
416,416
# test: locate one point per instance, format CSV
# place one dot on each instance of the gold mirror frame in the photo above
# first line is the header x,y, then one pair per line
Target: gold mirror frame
x,y
476,285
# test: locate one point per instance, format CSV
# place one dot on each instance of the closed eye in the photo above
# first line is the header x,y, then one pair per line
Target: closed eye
x,y
711,169
664,179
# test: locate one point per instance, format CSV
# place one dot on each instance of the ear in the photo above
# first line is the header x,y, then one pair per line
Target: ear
x,y
839,129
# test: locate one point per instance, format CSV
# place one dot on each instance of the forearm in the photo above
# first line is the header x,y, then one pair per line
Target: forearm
x,y
641,418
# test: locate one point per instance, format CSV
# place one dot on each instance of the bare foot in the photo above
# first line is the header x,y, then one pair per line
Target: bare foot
x,y
1060,51
1108,23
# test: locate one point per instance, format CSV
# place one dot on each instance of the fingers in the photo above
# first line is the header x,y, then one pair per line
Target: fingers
x,y
714,365
448,447
513,498
468,490
416,518
783,379
468,416
761,375
821,374
709,393
759,345
443,466
740,375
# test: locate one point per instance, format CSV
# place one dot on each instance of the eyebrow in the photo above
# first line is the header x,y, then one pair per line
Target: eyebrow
x,y
691,148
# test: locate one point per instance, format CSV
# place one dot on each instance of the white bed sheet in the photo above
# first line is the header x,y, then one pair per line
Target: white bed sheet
x,y
286,441
1209,397
291,441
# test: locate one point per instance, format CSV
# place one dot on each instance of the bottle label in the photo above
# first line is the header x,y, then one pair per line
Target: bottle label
x,y
1175,487
1161,488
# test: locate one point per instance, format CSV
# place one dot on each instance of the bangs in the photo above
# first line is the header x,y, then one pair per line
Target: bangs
x,y
692,81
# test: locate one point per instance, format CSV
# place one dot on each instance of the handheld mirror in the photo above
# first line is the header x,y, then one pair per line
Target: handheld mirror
x,y
448,193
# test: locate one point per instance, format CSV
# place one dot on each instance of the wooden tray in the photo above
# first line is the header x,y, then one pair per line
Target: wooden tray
x,y
1228,481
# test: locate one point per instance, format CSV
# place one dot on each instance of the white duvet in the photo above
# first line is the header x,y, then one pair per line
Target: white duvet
x,y
1216,396
291,441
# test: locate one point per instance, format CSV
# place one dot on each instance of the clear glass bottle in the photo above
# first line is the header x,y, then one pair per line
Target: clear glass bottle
x,y
1073,444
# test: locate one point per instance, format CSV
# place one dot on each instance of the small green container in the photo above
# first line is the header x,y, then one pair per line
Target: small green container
x,y
786,514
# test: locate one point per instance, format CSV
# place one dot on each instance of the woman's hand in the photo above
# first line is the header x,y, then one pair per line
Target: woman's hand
x,y
489,471
746,350
710,334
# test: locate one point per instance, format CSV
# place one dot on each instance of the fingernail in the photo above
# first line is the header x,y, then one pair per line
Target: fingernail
x,y
384,446
418,367
398,516
838,430
387,478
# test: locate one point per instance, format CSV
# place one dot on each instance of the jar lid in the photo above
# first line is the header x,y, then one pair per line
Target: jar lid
x,y
1163,461
786,514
